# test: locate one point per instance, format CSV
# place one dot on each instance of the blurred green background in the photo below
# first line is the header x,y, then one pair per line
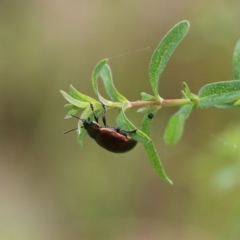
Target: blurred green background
x,y
52,189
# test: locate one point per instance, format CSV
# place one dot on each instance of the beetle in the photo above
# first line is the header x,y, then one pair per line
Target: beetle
x,y
112,139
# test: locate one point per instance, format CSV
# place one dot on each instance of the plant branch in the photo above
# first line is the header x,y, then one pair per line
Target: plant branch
x,y
163,103
175,102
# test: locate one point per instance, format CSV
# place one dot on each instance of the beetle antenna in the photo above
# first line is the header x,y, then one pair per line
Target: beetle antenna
x,y
94,114
74,129
103,115
83,120
76,117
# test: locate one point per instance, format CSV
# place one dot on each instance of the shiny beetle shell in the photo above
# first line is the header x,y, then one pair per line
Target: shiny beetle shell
x,y
111,139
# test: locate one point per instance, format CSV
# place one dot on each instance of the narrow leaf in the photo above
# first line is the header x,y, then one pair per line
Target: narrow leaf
x,y
150,149
219,93
72,112
79,96
174,129
187,91
147,97
236,61
70,106
227,105
184,95
106,75
237,103
142,109
164,51
96,72
87,113
125,124
74,101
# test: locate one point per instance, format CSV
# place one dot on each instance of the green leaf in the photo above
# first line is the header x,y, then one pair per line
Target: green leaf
x,y
79,96
233,104
72,112
236,61
150,149
73,101
87,113
219,93
96,72
237,103
184,95
70,106
147,97
142,109
106,75
125,124
164,51
175,125
187,93
102,69
187,90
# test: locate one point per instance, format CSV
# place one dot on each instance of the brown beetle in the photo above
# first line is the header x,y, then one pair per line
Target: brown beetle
x,y
112,139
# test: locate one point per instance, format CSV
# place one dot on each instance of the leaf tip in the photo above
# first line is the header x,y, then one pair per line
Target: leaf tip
x,y
187,22
169,181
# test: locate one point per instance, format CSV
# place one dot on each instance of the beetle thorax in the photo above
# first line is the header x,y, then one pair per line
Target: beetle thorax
x,y
92,128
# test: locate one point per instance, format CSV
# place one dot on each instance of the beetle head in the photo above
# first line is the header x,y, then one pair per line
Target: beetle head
x,y
91,127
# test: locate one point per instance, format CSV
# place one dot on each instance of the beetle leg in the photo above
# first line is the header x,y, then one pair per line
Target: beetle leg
x,y
94,114
132,131
103,115
121,131
125,132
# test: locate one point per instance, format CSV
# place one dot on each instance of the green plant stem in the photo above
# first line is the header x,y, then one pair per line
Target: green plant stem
x,y
163,103
145,103
175,102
